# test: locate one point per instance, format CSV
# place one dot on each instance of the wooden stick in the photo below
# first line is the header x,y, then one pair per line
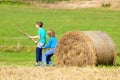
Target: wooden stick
x,y
25,34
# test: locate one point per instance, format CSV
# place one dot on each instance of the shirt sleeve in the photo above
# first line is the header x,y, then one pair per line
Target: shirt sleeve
x,y
48,44
39,32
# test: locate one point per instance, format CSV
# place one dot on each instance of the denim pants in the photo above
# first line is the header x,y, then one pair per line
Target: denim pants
x,y
46,57
38,54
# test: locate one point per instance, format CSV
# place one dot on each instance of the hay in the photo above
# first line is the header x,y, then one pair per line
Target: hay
x,y
85,48
56,73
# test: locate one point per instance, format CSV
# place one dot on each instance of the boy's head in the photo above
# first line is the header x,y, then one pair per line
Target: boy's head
x,y
51,33
39,24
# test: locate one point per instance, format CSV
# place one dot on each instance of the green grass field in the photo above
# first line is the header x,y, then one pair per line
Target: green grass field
x,y
61,20
19,59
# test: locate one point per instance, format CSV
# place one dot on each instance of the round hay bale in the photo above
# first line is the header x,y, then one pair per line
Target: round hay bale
x,y
85,48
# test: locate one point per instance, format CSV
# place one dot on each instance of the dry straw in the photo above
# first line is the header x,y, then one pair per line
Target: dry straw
x,y
56,73
85,48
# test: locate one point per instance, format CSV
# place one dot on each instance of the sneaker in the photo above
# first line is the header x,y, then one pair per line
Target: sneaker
x,y
51,65
37,64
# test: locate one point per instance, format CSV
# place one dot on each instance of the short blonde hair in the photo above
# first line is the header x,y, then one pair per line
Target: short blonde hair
x,y
51,33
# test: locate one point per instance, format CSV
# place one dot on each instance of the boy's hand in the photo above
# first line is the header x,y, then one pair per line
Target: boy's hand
x,y
29,37
36,42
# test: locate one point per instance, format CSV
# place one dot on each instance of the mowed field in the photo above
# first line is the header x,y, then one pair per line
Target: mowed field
x,y
61,20
17,54
57,73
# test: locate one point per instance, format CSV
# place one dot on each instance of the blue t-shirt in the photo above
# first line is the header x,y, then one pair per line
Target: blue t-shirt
x,y
51,43
42,34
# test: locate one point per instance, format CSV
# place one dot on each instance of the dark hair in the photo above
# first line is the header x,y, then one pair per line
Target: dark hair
x,y
40,24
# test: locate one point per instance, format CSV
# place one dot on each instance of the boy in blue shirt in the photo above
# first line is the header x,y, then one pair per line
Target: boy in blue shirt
x,y
46,57
41,40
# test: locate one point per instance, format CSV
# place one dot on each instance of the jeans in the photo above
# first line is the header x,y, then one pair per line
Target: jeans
x,y
38,54
46,57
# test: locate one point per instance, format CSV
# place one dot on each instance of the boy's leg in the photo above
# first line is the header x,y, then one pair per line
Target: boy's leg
x,y
49,59
39,49
46,54
38,54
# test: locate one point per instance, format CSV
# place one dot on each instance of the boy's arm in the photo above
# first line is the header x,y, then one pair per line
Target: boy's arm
x,y
33,37
48,44
37,39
